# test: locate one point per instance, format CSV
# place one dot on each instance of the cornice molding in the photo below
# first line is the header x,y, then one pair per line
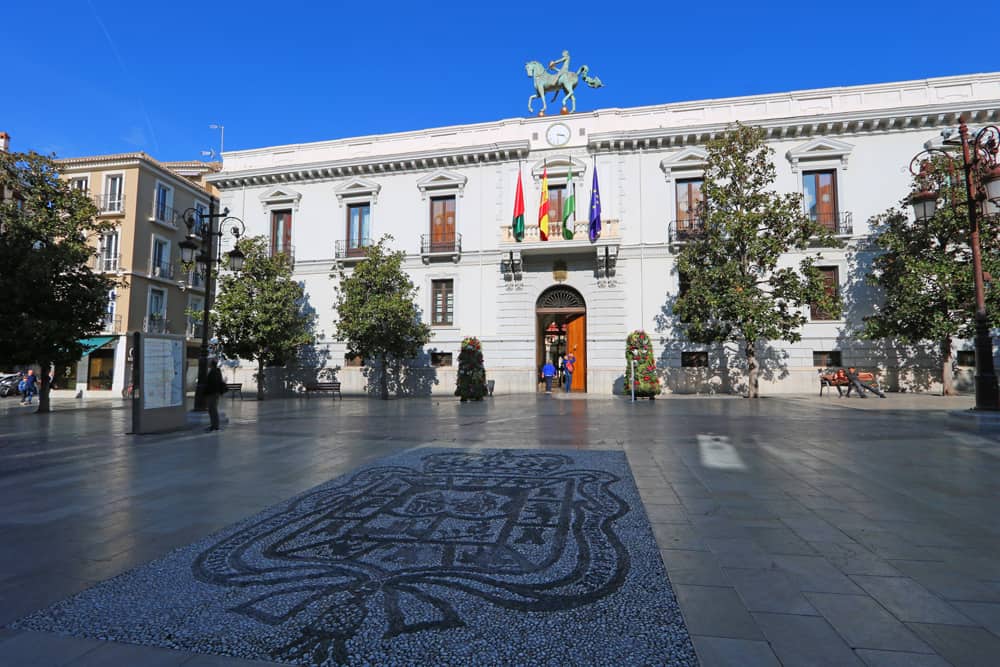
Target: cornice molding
x,y
821,149
375,165
442,182
96,163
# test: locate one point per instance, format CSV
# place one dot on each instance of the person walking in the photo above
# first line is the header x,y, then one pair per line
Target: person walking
x,y
30,387
569,364
214,388
548,372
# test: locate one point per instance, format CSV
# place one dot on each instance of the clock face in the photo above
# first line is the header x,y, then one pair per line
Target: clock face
x,y
557,134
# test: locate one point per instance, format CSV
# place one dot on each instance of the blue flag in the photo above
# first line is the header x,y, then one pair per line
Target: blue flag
x,y
595,209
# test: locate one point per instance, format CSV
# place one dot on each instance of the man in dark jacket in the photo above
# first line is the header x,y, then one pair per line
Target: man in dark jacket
x,y
215,387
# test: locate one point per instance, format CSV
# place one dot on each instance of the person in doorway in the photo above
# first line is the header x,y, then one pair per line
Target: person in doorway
x,y
569,365
214,388
30,387
548,372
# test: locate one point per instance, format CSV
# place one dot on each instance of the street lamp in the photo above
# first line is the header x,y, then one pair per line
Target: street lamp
x,y
200,237
982,191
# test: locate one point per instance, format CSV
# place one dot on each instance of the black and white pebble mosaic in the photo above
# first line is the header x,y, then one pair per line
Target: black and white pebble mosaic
x,y
433,556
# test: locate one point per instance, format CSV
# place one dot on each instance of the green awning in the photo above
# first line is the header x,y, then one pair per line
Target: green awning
x,y
91,344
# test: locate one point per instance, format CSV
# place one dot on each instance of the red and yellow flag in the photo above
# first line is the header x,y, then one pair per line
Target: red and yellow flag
x,y
543,208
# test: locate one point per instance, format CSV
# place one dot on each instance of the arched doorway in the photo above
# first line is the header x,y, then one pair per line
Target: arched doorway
x,y
561,326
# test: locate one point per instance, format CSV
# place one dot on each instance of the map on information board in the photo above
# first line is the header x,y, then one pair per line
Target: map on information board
x,y
162,373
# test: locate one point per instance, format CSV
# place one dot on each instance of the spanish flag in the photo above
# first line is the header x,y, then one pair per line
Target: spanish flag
x,y
543,208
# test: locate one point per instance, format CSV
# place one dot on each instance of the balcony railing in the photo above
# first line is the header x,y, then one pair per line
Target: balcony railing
x,y
581,232
194,329
196,280
155,324
111,323
351,252
164,215
839,224
684,229
288,252
431,245
110,203
104,263
163,270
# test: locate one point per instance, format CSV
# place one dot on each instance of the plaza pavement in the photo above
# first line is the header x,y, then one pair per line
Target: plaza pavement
x,y
794,530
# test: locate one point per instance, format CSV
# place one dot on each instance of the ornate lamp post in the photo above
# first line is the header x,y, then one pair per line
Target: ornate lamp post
x,y
201,235
982,192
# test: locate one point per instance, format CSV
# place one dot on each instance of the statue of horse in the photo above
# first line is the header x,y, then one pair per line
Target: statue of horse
x,y
555,83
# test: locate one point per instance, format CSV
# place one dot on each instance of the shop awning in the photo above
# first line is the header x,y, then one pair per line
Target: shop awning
x,y
91,344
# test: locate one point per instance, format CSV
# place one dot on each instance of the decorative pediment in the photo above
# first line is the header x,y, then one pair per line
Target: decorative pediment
x,y
442,183
280,197
688,159
358,188
559,167
830,152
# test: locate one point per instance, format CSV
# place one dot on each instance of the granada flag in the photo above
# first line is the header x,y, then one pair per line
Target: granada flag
x,y
543,207
569,211
517,226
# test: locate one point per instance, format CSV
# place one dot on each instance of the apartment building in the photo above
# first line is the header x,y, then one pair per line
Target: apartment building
x,y
144,200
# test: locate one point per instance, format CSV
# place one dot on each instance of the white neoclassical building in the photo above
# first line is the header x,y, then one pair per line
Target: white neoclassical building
x,y
446,195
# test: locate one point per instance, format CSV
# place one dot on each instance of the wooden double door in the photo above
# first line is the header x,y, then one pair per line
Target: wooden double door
x,y
560,334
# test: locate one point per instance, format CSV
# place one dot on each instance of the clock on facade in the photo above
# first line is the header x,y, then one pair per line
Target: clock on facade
x,y
557,134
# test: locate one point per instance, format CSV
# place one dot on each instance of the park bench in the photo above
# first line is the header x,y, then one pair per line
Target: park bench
x,y
332,387
233,388
830,379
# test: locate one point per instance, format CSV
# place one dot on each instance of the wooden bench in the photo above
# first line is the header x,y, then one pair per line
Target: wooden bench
x,y
832,380
332,387
233,388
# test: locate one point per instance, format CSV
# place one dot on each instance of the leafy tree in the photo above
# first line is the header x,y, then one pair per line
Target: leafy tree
x,y
735,288
925,270
51,299
646,380
378,318
260,313
471,380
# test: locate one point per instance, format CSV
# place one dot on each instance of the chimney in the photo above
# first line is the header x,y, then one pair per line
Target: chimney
x,y
4,142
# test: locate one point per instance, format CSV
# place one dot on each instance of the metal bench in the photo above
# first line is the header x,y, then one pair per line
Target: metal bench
x,y
233,388
332,387
832,380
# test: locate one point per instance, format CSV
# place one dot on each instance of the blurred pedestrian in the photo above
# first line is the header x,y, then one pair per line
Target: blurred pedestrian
x,y
215,387
30,387
548,372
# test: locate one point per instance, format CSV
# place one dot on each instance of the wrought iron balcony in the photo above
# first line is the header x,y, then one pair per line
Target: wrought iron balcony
x,y
431,246
839,224
104,263
155,324
111,323
107,204
288,252
683,230
581,233
351,252
163,270
164,215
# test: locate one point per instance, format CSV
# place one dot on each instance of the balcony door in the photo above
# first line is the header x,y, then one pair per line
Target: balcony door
x,y
281,232
358,229
820,190
688,201
442,224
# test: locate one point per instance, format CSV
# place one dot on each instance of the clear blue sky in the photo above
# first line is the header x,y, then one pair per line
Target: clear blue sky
x,y
106,76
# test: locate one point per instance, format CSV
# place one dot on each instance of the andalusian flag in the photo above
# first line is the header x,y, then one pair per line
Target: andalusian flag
x,y
569,210
517,226
543,208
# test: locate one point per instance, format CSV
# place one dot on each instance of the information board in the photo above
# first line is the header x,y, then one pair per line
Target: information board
x,y
158,402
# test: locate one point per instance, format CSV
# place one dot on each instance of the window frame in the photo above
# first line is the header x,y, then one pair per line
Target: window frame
x,y
286,237
814,314
435,282
832,358
106,193
700,355
834,224
167,206
351,249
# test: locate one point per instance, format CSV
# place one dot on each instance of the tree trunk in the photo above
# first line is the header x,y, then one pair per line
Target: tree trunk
x,y
753,390
383,379
947,375
43,387
260,379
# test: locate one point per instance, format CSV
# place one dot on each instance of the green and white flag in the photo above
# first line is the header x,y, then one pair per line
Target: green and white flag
x,y
569,211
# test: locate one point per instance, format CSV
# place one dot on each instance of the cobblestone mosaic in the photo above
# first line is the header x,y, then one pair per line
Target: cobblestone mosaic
x,y
428,557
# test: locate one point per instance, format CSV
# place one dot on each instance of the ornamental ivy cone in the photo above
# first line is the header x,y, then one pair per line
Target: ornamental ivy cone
x,y
471,373
646,380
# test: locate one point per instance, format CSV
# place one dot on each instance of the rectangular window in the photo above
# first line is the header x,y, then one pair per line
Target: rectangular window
x,y
113,193
440,359
442,302
157,303
109,323
164,211
831,281
557,196
108,254
688,199
195,315
358,228
159,260
826,359
443,224
353,361
966,358
81,183
201,211
694,359
819,189
281,232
